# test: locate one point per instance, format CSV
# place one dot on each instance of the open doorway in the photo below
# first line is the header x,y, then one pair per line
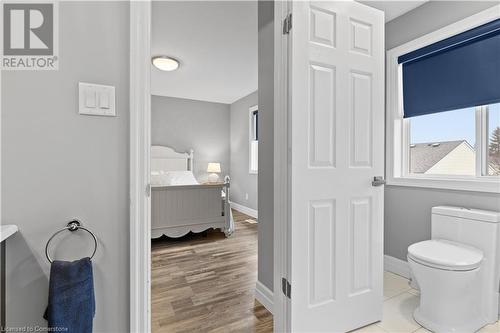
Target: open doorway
x,y
307,209
204,167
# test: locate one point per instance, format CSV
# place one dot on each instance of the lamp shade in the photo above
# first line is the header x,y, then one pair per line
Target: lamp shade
x,y
213,167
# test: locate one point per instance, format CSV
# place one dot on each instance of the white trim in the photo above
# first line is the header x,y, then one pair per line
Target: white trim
x,y
397,127
1,150
456,184
396,266
282,232
245,210
401,268
264,295
140,143
140,220
481,128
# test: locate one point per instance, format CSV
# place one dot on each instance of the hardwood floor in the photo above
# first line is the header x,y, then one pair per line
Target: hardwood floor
x,y
205,282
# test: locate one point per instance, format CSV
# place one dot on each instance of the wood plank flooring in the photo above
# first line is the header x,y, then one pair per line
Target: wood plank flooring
x,y
205,282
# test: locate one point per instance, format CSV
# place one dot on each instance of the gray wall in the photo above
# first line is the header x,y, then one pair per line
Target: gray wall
x,y
185,124
408,213
242,182
266,143
430,17
57,165
407,209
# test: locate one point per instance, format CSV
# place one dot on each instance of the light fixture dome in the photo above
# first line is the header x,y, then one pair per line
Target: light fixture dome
x,y
165,63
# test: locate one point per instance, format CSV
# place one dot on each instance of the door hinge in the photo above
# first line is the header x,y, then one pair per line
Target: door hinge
x,y
148,190
286,287
287,24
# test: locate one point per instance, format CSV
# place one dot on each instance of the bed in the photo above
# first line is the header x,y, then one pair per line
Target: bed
x,y
179,203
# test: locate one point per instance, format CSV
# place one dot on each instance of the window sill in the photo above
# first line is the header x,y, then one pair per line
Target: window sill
x,y
488,185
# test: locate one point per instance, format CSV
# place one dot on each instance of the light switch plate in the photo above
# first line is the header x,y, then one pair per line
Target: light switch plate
x,y
96,99
90,98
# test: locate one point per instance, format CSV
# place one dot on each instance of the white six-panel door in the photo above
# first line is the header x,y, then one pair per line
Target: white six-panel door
x,y
337,147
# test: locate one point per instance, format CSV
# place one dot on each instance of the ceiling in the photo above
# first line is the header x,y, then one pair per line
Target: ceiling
x,y
393,9
216,44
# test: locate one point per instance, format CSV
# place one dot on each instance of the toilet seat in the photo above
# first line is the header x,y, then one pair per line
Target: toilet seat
x,y
446,255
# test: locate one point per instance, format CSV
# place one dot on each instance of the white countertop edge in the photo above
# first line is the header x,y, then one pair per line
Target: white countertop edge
x,y
6,231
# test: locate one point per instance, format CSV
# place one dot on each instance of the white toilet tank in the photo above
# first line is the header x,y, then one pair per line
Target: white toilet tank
x,y
478,228
471,226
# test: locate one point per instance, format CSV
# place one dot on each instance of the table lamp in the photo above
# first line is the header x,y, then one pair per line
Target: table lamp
x,y
213,169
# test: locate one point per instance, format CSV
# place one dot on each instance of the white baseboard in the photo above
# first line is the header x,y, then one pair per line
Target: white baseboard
x,y
396,266
245,210
264,296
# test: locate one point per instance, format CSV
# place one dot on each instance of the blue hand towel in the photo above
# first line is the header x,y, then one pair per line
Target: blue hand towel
x,y
71,296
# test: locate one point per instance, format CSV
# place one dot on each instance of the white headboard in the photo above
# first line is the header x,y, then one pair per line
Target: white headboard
x,y
166,159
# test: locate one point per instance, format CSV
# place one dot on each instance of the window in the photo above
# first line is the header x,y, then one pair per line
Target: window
x,y
443,108
494,140
443,143
447,143
254,139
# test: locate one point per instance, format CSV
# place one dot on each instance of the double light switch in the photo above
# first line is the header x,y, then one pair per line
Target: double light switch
x,y
96,99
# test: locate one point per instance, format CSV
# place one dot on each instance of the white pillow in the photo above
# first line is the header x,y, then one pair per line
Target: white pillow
x,y
165,178
158,178
180,178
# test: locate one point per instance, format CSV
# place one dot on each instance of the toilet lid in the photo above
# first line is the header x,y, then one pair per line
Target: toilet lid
x,y
445,254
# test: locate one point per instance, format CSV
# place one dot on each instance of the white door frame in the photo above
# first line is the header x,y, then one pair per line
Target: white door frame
x,y
282,235
140,142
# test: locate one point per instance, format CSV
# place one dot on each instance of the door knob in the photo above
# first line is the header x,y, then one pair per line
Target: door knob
x,y
378,181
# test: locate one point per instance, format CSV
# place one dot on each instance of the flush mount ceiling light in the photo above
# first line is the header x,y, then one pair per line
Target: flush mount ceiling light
x,y
165,63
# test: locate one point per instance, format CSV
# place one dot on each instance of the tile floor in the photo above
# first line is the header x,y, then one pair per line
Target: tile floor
x,y
399,302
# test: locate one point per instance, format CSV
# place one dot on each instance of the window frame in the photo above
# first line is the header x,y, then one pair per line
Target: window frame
x,y
398,128
251,131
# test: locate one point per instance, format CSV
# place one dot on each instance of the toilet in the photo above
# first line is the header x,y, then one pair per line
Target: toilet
x,y
458,270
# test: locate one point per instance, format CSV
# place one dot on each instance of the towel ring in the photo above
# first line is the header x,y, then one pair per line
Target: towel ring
x,y
72,225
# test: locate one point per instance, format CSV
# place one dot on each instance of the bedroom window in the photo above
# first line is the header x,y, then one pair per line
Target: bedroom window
x,y
254,139
443,109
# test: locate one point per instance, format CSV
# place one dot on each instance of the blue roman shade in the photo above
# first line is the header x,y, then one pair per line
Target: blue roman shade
x,y
458,72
